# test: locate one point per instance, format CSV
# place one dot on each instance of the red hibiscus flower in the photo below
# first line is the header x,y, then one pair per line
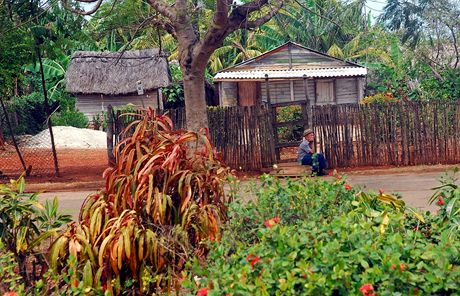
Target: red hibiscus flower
x,y
252,259
440,201
366,289
202,292
347,187
272,222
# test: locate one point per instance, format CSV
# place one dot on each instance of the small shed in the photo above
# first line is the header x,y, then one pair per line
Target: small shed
x,y
290,73
99,79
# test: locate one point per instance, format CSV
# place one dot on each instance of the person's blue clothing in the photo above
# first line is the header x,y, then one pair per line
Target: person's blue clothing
x,y
317,161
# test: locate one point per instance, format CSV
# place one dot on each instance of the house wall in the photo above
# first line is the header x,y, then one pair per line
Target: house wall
x,y
228,92
347,90
94,104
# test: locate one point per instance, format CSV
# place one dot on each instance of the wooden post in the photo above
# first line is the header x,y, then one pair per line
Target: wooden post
x,y
110,132
47,112
307,99
272,127
13,138
316,92
334,90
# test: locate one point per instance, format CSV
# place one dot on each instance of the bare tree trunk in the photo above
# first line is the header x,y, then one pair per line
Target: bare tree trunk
x,y
195,104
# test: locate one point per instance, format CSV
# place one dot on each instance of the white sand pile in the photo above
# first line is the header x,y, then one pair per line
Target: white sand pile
x,y
69,137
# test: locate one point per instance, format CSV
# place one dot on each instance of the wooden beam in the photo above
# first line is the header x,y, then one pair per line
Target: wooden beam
x,y
267,89
334,90
307,99
316,92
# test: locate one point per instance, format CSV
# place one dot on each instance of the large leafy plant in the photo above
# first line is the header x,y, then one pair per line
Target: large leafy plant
x,y
163,198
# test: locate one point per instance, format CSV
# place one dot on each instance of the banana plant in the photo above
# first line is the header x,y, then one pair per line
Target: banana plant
x,y
54,72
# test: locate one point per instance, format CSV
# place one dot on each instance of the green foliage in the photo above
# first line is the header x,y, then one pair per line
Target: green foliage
x,y
289,133
25,224
15,51
9,278
30,113
317,237
70,118
163,198
447,197
379,98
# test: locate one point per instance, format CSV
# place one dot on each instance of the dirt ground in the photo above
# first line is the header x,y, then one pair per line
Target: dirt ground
x,y
413,183
74,164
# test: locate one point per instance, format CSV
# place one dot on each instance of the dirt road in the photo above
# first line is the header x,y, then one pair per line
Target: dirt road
x,y
414,185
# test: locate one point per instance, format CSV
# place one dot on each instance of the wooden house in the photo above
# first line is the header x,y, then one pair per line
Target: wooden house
x,y
98,79
290,73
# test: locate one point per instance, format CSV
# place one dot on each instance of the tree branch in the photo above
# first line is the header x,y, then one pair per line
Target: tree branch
x,y
263,19
221,13
83,12
163,8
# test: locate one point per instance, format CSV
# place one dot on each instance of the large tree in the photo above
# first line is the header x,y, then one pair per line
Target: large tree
x,y
200,27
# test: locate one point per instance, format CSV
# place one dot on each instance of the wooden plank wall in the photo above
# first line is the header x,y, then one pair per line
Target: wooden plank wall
x,y
91,105
393,134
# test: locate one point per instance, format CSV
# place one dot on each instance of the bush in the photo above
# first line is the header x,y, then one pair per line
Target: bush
x,y
162,200
379,98
70,118
313,237
24,225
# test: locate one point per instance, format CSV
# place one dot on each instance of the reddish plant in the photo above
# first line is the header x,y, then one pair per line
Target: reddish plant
x,y
163,197
272,222
440,201
202,292
252,259
366,289
347,187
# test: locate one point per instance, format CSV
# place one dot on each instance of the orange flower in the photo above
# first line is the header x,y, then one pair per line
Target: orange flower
x,y
202,292
347,187
272,222
366,289
381,191
10,293
402,266
393,266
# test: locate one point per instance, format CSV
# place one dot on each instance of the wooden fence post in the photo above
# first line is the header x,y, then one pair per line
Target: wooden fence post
x,y
110,129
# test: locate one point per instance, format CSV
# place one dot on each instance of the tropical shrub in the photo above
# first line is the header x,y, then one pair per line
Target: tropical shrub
x,y
70,118
314,237
379,98
25,224
163,198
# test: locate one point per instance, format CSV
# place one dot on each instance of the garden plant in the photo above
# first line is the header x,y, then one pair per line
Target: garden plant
x,y
317,237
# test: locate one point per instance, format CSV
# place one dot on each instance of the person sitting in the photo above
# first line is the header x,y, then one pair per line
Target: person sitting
x,y
306,155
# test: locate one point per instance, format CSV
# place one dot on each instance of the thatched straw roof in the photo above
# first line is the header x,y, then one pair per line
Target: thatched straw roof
x,y
113,73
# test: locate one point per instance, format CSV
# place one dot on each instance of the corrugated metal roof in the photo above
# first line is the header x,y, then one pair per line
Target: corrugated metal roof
x,y
294,73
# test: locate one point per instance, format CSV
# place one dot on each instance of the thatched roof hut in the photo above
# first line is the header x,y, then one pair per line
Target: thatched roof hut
x,y
115,73
98,79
